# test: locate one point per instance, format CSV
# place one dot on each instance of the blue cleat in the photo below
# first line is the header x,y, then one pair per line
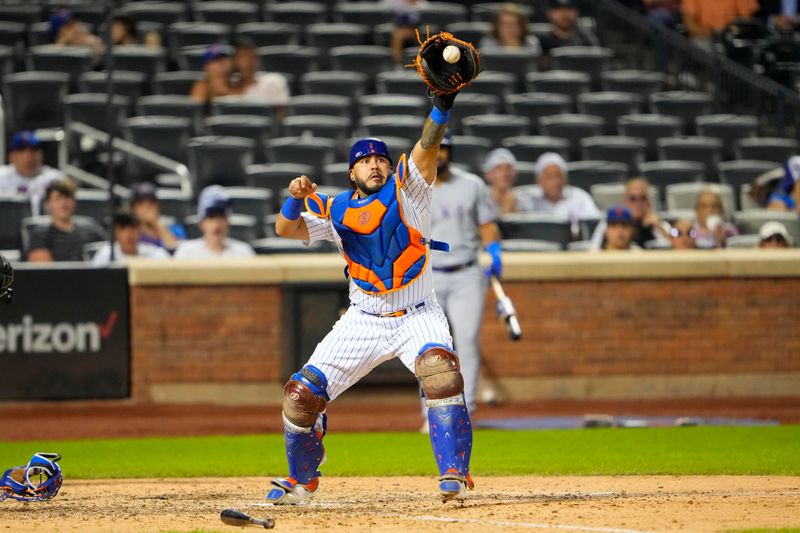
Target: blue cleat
x,y
454,487
287,491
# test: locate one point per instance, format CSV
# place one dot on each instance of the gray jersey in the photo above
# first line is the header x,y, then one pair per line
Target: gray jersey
x,y
459,206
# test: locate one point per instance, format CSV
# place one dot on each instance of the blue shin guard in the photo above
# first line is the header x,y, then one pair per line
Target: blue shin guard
x,y
451,435
304,451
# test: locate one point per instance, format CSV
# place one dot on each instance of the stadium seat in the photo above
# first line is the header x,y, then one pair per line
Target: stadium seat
x,y
12,34
529,245
191,57
684,195
607,195
335,82
277,245
609,105
178,82
230,13
536,226
254,201
314,151
642,82
409,126
72,60
530,147
325,126
174,202
299,14
363,13
392,104
743,241
628,150
441,13
746,200
667,172
649,127
329,35
536,105
472,32
486,11
743,172
276,176
270,33
34,99
12,210
705,150
165,13
498,84
182,34
470,104
164,135
776,149
572,127
320,104
240,227
94,204
684,104
729,128
174,106
515,62
144,59
751,220
254,127
217,160
367,59
470,151
91,109
126,83
496,127
335,174
402,82
526,173
593,60
584,174
567,82
289,59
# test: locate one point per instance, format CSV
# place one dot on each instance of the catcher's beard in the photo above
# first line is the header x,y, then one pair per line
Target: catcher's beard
x,y
364,187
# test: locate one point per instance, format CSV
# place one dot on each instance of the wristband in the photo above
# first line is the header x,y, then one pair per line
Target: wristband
x,y
438,116
291,208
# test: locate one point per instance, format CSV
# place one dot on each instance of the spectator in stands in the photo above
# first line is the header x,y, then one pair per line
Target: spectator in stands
x,y
563,15
26,172
554,196
123,31
665,13
648,227
712,230
62,240
500,173
773,234
510,32
252,84
703,17
67,30
786,195
144,204
683,235
218,68
127,243
619,230
213,209
404,34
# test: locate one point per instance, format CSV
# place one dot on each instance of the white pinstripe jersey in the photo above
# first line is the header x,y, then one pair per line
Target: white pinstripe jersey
x,y
415,201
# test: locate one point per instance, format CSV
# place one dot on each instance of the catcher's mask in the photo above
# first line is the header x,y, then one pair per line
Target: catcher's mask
x,y
368,146
39,480
6,279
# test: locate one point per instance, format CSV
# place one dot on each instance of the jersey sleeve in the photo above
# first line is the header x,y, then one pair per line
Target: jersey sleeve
x,y
486,209
319,229
417,190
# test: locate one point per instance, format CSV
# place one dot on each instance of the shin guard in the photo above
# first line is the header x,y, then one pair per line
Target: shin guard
x,y
304,449
451,435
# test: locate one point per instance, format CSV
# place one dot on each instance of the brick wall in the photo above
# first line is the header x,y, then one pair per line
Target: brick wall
x,y
647,327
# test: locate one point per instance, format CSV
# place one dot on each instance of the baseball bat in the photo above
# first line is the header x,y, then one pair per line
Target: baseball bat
x,y
232,517
505,310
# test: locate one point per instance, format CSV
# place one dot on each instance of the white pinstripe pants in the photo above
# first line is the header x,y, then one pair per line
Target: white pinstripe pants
x,y
359,342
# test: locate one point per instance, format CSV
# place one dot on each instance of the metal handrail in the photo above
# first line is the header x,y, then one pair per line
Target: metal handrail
x,y
131,149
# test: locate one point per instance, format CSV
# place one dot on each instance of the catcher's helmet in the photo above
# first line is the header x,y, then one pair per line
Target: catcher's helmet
x,y
367,146
6,279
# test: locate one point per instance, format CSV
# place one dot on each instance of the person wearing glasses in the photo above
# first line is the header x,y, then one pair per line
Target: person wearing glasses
x,y
712,230
649,230
683,235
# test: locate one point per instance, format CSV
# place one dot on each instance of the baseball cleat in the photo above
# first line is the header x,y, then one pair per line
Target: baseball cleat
x,y
287,491
454,487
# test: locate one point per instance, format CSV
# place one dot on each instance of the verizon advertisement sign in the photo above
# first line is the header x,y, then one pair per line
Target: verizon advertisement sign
x,y
65,335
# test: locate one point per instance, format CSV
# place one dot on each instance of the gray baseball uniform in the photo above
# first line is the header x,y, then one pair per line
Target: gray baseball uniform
x,y
459,206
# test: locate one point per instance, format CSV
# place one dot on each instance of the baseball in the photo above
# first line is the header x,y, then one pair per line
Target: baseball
x,y
451,54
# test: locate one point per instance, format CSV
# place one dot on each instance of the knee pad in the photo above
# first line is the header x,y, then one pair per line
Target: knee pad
x,y
305,396
438,372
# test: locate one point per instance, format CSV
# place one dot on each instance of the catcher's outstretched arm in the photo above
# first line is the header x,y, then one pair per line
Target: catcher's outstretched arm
x,y
427,149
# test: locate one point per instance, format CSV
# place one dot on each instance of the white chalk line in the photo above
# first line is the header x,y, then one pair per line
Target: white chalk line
x,y
511,523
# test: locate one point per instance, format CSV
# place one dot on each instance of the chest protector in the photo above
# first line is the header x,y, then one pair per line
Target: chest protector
x,y
383,252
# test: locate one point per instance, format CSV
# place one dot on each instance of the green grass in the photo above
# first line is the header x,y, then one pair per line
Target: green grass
x,y
679,451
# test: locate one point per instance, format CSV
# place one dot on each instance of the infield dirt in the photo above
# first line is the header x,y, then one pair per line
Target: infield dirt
x,y
600,504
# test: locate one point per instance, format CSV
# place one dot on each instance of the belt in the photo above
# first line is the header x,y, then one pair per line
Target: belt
x,y
394,314
454,268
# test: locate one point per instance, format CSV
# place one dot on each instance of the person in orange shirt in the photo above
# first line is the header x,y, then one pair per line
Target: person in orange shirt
x,y
704,17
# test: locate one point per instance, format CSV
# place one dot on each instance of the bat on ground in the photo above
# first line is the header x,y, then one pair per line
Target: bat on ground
x,y
232,517
505,310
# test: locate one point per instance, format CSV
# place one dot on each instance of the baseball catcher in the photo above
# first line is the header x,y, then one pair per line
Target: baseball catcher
x,y
6,279
383,229
37,481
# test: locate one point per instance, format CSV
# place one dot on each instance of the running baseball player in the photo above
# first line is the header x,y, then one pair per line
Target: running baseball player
x,y
383,229
463,215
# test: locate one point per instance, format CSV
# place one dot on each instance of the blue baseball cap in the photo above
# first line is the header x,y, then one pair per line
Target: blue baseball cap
x,y
57,21
24,139
214,51
619,214
213,201
143,190
367,146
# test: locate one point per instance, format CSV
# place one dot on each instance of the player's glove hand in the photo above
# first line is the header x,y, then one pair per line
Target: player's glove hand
x,y
496,269
444,79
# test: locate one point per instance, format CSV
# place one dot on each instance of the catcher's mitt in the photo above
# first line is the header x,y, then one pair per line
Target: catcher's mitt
x,y
443,78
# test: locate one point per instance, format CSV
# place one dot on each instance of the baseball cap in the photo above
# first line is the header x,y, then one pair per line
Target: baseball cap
x,y
24,139
213,201
619,214
497,157
367,146
550,158
555,4
771,228
143,191
214,51
57,21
